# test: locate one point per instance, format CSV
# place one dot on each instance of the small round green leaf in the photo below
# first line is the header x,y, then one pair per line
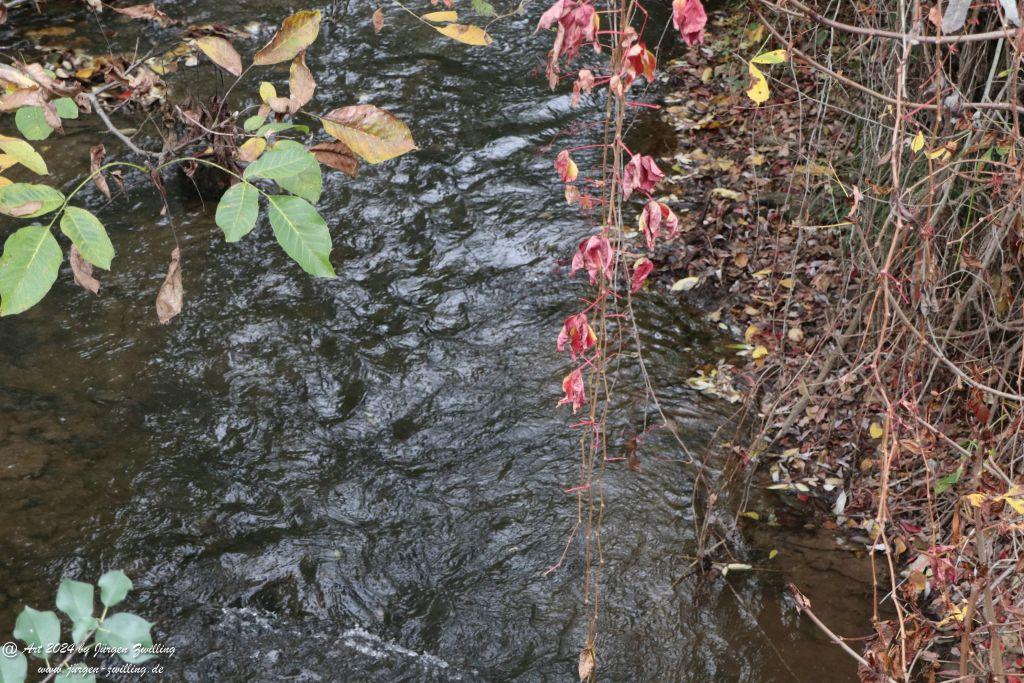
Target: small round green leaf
x,y
66,108
81,629
89,235
114,587
75,599
13,669
124,630
38,629
31,121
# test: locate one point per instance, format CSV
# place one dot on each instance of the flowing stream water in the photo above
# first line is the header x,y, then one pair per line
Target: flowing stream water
x,y
363,478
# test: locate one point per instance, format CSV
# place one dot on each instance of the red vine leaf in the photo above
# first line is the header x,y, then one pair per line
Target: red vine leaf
x,y
572,385
641,173
578,334
594,254
641,270
171,295
689,18
566,167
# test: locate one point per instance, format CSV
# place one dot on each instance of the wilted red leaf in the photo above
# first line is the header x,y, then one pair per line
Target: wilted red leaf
x,y
372,133
378,20
338,156
82,270
566,167
96,155
300,83
297,32
147,12
689,18
572,385
221,52
171,295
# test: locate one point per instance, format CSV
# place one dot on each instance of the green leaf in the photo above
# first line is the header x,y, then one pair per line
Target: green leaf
x,y
75,599
302,233
38,629
484,8
253,122
78,673
943,484
124,630
89,235
291,166
237,211
773,57
13,669
66,108
25,200
82,628
28,268
114,586
24,154
31,121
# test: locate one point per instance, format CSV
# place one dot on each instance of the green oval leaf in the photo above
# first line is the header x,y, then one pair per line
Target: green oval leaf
x,y
35,628
77,673
28,268
124,630
31,121
24,154
302,233
75,599
114,587
291,166
66,108
25,200
89,235
13,669
237,211
370,132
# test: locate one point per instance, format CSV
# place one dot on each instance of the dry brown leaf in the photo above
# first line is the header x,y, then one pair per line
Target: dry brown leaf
x,y
147,12
82,270
338,156
587,663
300,83
96,155
171,295
378,20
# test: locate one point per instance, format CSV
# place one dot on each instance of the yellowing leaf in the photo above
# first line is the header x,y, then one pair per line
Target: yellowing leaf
x,y
267,91
758,91
759,352
251,149
773,57
975,499
1016,503
876,430
788,283
773,554
221,53
940,153
464,33
686,284
297,32
725,193
917,144
707,75
440,16
750,514
372,133
23,153
752,331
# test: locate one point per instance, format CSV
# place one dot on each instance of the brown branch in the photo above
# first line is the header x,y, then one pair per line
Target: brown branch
x,y
102,113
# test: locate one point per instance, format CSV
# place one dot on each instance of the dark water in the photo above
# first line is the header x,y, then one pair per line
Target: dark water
x,y
362,478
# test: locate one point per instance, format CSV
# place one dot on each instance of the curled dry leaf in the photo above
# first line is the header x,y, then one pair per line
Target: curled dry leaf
x,y
297,32
82,270
378,21
96,155
300,83
587,663
338,156
147,12
221,52
171,295
372,133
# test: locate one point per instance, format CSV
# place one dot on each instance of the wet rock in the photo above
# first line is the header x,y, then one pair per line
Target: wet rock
x,y
25,460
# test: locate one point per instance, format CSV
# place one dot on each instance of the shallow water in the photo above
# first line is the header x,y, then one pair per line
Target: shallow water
x,y
362,478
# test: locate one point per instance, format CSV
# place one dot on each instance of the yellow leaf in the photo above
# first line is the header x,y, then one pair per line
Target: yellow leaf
x,y
686,284
440,16
752,331
975,499
876,430
762,273
725,193
750,514
758,92
940,153
772,555
788,283
707,75
372,133
773,57
221,53
24,154
1016,503
918,143
759,352
267,91
297,32
464,33
251,149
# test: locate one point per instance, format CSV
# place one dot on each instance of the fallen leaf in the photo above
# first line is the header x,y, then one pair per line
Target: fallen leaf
x,y
440,16
876,430
686,284
795,335
147,12
378,21
170,297
372,133
82,270
587,663
759,352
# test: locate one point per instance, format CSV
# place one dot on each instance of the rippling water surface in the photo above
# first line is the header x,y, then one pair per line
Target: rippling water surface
x,y
362,478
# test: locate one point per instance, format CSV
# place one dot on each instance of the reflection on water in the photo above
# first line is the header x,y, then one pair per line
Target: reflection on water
x,y
363,478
